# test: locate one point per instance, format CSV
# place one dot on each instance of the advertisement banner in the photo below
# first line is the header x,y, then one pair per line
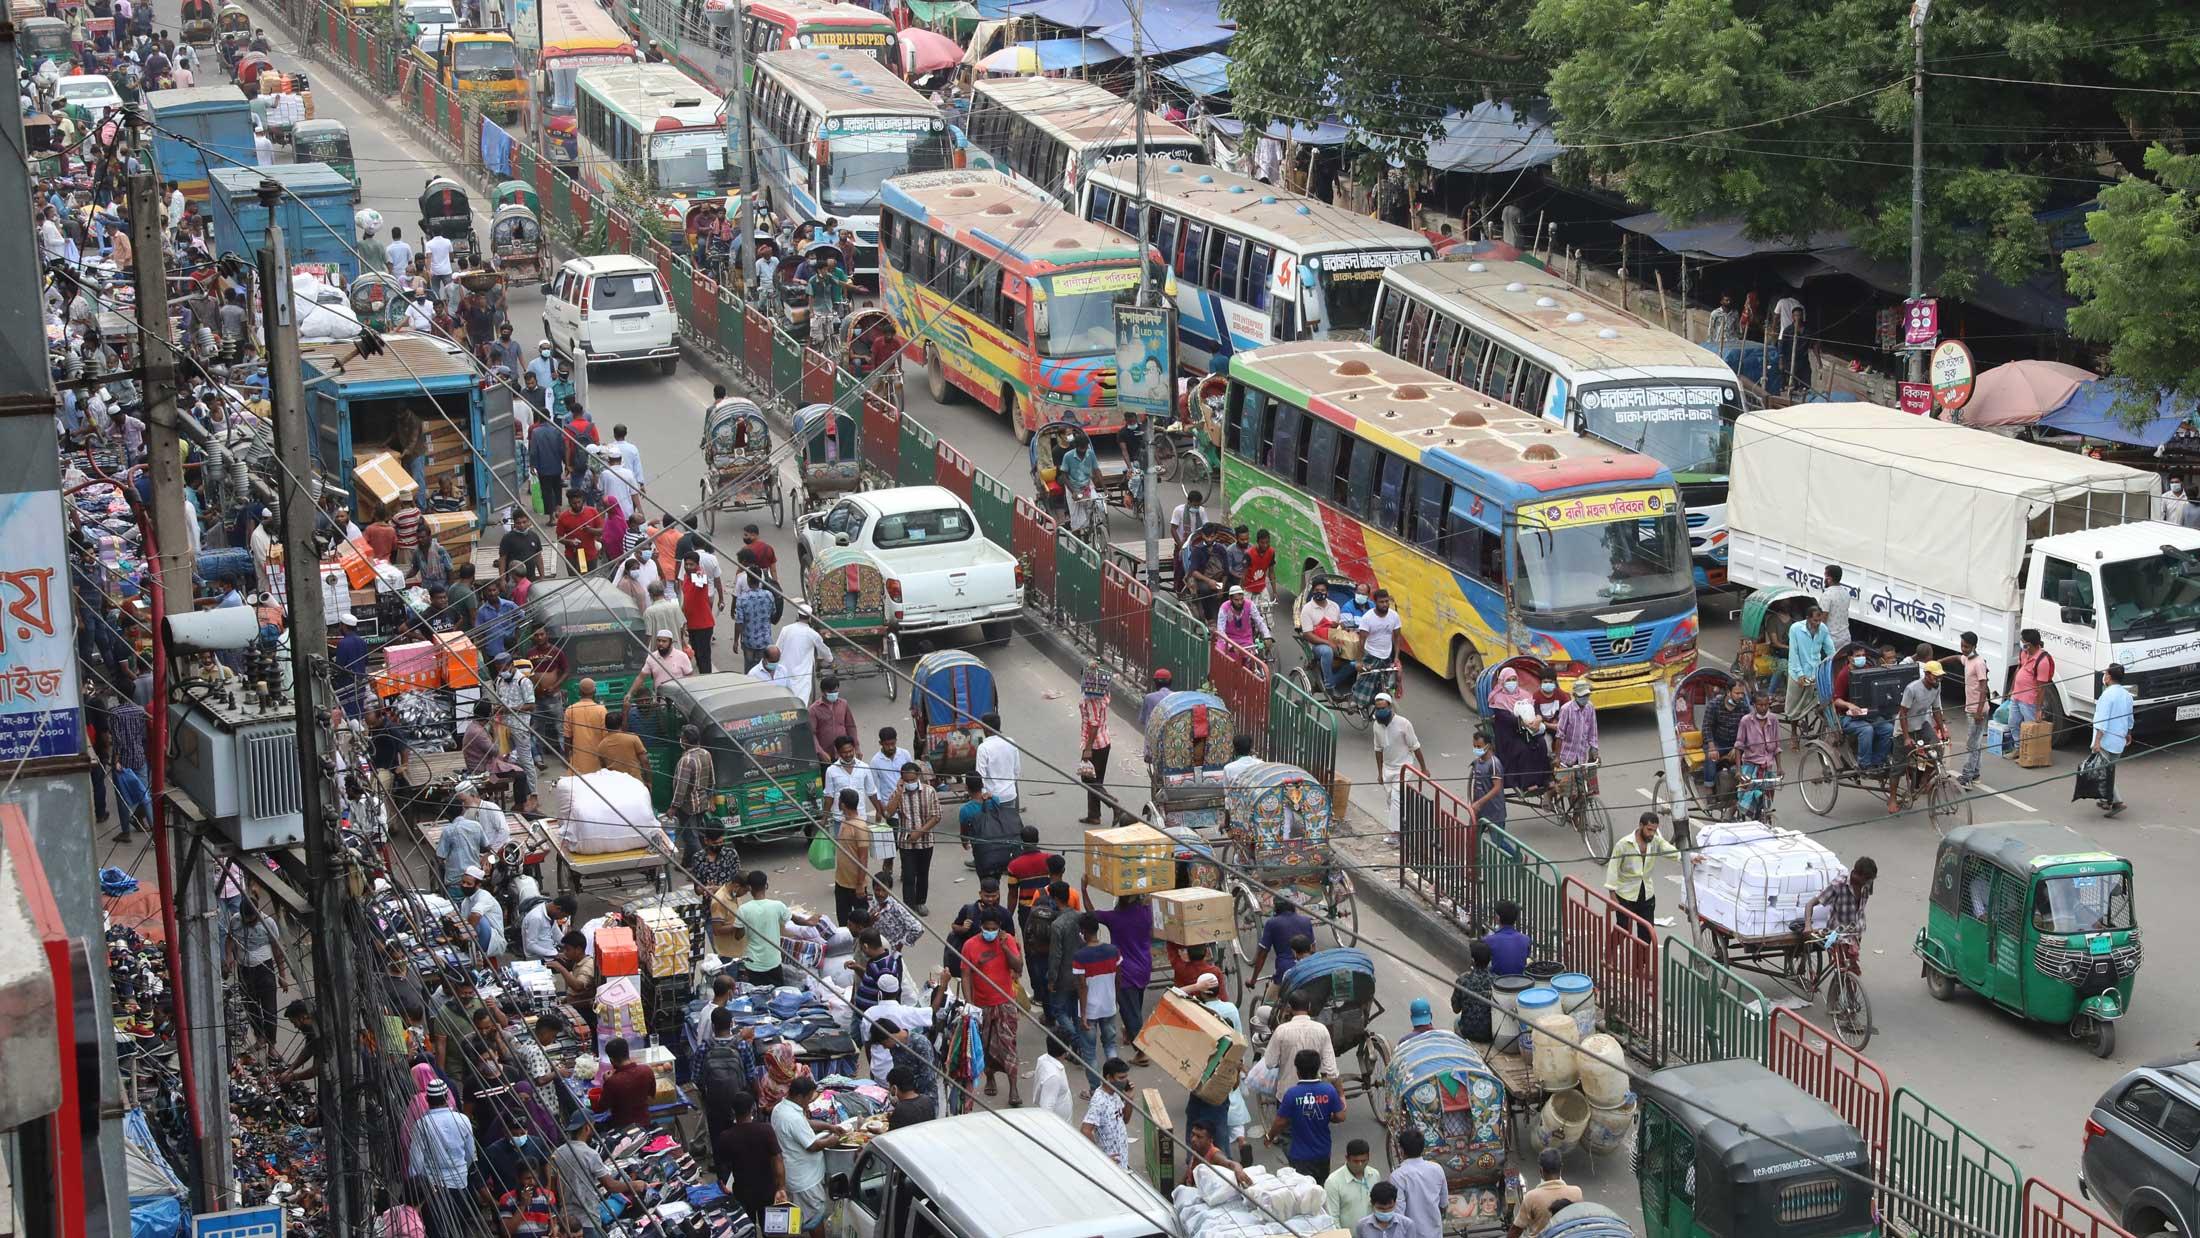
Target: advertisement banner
x,y
40,711
1917,399
1598,509
1145,361
1920,323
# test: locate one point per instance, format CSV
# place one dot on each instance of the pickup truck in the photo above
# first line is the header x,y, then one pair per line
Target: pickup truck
x,y
940,571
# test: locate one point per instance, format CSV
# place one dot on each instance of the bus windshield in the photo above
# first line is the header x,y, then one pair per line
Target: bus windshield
x,y
1080,310
1687,428
1591,563
691,161
865,159
1349,296
485,58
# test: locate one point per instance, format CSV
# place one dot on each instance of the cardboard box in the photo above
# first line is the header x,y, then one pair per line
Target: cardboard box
x,y
1340,798
2036,744
1193,916
408,668
383,476
665,941
660,1062
458,661
616,954
1194,1047
1132,859
1347,644
442,525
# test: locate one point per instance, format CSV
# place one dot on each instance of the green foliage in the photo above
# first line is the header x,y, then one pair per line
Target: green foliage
x,y
2140,281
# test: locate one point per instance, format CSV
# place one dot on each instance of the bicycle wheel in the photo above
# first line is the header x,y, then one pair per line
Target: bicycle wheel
x,y
1594,821
1947,804
1817,779
1849,1009
1166,461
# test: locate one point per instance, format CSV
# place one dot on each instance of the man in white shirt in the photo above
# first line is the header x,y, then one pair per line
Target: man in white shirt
x,y
802,1141
772,669
624,479
1380,628
545,925
1050,1081
495,830
1836,601
481,911
400,253
802,651
848,772
438,249
998,762
263,150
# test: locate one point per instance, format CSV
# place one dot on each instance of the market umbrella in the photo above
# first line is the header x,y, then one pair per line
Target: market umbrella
x,y
925,51
1018,59
2021,392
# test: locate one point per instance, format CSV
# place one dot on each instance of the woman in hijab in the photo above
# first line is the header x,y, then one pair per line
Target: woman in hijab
x,y
780,1069
423,1074
1519,729
614,528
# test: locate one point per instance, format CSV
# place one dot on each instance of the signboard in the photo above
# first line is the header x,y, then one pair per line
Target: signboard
x,y
1917,399
1952,375
1920,322
239,1223
41,713
1145,361
1106,279
1599,509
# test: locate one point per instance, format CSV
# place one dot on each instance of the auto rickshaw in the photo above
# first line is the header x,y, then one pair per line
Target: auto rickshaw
x,y
949,691
509,192
515,239
377,300
42,40
1767,614
446,211
846,592
1703,1176
2038,919
1276,820
1440,1085
766,782
198,22
595,626
329,142
234,20
832,457
1188,741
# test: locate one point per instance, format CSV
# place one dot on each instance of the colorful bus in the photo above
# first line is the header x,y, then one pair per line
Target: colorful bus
x,y
647,129
1048,130
698,35
1532,340
830,129
573,35
1497,533
1251,264
1005,297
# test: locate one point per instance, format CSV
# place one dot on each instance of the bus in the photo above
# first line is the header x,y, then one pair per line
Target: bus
x,y
829,130
1497,533
697,35
1532,340
1006,297
573,35
647,129
1251,264
1047,130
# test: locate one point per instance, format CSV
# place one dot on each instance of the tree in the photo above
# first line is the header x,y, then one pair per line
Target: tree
x,y
2139,283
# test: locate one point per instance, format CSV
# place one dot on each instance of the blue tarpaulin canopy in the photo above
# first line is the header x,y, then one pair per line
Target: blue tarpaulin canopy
x,y
1327,133
2093,411
1056,55
1205,75
1493,138
1165,26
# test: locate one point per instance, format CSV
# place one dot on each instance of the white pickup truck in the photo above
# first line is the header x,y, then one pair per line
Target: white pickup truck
x,y
940,571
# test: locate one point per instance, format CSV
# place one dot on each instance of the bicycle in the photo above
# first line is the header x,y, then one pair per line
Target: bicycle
x,y
1840,972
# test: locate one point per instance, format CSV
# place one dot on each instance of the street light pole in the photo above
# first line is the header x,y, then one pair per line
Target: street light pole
x,y
1919,11
1145,294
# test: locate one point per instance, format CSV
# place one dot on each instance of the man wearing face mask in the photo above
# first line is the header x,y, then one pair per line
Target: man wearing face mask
x,y
1383,1219
1486,782
1873,737
830,719
991,962
1318,617
1397,747
1380,628
2173,503
1757,743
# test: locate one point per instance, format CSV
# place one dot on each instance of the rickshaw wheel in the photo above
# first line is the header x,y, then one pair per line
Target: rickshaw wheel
x,y
1661,796
1946,804
1342,912
893,682
1374,1067
1165,459
1595,824
2104,1038
1818,779
779,514
710,509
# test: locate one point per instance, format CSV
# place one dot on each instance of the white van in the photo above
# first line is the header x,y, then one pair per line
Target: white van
x,y
612,308
1011,1173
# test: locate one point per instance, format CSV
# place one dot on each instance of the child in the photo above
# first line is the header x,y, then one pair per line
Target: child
x,y
1470,996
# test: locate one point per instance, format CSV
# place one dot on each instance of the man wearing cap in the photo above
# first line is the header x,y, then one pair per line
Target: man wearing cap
x,y
1921,718
351,665
481,911
584,726
1240,628
460,848
1423,1018
665,663
1397,747
802,651
442,1160
515,695
696,610
1163,683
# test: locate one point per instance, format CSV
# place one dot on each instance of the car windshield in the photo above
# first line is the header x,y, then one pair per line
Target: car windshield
x,y
1687,428
2155,596
432,14
863,159
925,528
693,161
485,57
2095,903
86,90
1080,310
1594,563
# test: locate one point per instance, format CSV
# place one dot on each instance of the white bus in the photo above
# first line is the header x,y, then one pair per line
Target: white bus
x,y
1046,131
646,128
1529,338
1250,264
831,127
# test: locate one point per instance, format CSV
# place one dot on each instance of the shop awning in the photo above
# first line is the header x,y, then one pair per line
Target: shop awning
x,y
1164,26
2096,410
935,12
1205,75
1492,137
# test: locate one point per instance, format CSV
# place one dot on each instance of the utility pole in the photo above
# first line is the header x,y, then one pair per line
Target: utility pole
x,y
744,219
192,963
1919,11
332,981
1145,294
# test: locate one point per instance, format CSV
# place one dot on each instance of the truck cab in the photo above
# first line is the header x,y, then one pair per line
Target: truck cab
x,y
2128,594
480,66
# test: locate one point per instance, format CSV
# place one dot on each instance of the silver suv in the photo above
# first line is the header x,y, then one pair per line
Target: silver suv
x,y
2141,1159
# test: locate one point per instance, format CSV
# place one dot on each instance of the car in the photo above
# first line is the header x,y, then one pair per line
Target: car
x,y
2141,1156
940,571
90,91
611,308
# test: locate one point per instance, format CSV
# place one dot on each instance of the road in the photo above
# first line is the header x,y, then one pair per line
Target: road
x,y
2024,1088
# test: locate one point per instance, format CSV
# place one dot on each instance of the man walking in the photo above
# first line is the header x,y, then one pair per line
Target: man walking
x,y
915,805
2112,717
1810,647
1976,700
1632,869
1533,1215
692,790
1397,747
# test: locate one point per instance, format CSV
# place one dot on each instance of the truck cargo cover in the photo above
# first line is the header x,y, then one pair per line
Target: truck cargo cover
x,y
1916,498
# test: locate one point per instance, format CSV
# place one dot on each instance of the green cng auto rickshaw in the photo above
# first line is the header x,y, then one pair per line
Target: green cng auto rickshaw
x,y
1761,661
2038,919
1704,1176
595,626
329,142
40,39
767,782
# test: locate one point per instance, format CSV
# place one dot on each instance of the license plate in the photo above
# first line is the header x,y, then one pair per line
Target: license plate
x,y
630,327
2186,713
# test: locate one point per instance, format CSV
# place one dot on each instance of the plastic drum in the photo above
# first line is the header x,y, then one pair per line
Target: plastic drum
x,y
1505,991
1532,1003
1577,996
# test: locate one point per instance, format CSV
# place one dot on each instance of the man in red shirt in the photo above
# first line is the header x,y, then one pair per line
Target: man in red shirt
x,y
629,1087
991,962
1029,871
579,528
695,608
767,559
1260,566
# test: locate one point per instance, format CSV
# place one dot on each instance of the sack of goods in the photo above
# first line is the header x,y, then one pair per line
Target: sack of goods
x,y
603,812
1753,880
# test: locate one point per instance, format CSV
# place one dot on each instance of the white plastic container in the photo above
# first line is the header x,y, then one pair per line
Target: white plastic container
x,y
1553,1060
1753,880
1601,1066
1505,991
1577,996
1565,1116
1528,1005
1609,1126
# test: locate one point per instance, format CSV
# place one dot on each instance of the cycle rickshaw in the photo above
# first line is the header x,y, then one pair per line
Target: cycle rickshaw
x,y
831,456
1440,1085
1188,738
949,691
1115,480
1729,798
1767,614
1913,774
1534,779
1356,704
1276,820
846,593
739,472
1339,986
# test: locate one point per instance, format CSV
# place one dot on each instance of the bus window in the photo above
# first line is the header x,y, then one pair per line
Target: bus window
x,y
1258,260
1164,237
1443,346
1390,495
1195,242
1283,445
1386,322
1503,383
1415,334
1367,459
1349,449
968,287
1133,221
1534,387
1473,347
989,296
1223,275
1321,456
1466,545
1429,494
1252,424
1101,205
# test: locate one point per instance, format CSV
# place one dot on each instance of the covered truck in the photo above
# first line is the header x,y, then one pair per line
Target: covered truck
x,y
1940,529
313,210
198,128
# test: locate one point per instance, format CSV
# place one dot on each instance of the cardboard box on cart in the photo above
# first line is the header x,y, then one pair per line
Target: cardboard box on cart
x,y
1194,1047
1131,859
1193,916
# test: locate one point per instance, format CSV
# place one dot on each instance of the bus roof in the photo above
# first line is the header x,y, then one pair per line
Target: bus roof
x,y
579,28
1006,218
841,83
1079,113
645,92
1550,313
1427,418
1263,212
818,12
